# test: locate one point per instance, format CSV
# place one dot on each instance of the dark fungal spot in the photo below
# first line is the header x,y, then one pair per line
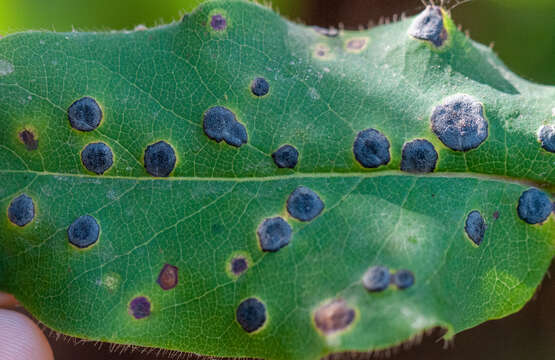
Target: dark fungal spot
x,y
546,135
167,279
260,86
475,227
304,204
286,157
334,316
84,114
239,265
83,232
27,137
220,124
251,314
322,51
97,158
218,22
429,26
329,32
376,278
459,122
159,159
356,44
496,215
21,210
419,156
371,148
273,234
403,279
139,307
534,206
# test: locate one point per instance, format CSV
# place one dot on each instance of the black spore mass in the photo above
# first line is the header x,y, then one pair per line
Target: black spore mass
x,y
219,124
21,210
139,307
260,86
273,234
534,206
304,204
85,114
403,279
475,227
83,232
371,148
546,135
428,25
286,157
376,278
218,22
159,159
419,156
97,157
251,314
239,265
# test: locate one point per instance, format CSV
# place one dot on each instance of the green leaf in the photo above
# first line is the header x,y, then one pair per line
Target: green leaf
x,y
169,84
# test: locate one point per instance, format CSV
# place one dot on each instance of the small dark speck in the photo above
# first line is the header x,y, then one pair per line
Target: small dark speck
x,y
496,215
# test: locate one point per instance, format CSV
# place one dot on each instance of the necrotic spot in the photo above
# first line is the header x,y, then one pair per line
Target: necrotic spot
x,y
546,135
286,157
534,206
475,227
28,139
239,265
403,279
139,307
334,316
429,26
251,314
83,232
273,234
84,114
260,86
167,279
304,204
220,124
459,122
419,156
97,157
356,44
371,148
376,278
218,22
21,210
160,159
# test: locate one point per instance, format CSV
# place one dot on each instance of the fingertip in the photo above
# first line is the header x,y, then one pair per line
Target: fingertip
x,y
21,339
7,300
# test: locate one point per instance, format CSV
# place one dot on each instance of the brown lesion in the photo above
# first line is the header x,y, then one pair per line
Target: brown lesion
x,y
167,279
334,316
29,139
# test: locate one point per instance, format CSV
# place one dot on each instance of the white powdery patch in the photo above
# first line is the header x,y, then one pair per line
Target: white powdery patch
x,y
6,68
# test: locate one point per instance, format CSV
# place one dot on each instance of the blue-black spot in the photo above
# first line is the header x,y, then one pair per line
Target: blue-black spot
x,y
334,316
419,156
83,232
304,204
220,124
260,86
167,278
371,148
546,135
84,114
534,206
429,26
459,122
251,314
376,278
28,138
218,22
239,265
159,159
475,227
286,157
97,157
139,307
21,210
273,234
329,32
403,279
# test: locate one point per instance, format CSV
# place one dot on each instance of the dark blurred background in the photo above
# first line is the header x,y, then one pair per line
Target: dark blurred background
x,y
523,34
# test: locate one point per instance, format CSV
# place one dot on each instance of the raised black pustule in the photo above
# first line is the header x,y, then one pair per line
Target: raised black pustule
x,y
546,136
84,114
273,234
429,26
260,87
218,22
251,314
160,159
21,210
475,227
239,265
219,123
139,307
286,157
376,278
371,148
534,206
304,204
27,137
83,232
403,279
97,158
418,156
